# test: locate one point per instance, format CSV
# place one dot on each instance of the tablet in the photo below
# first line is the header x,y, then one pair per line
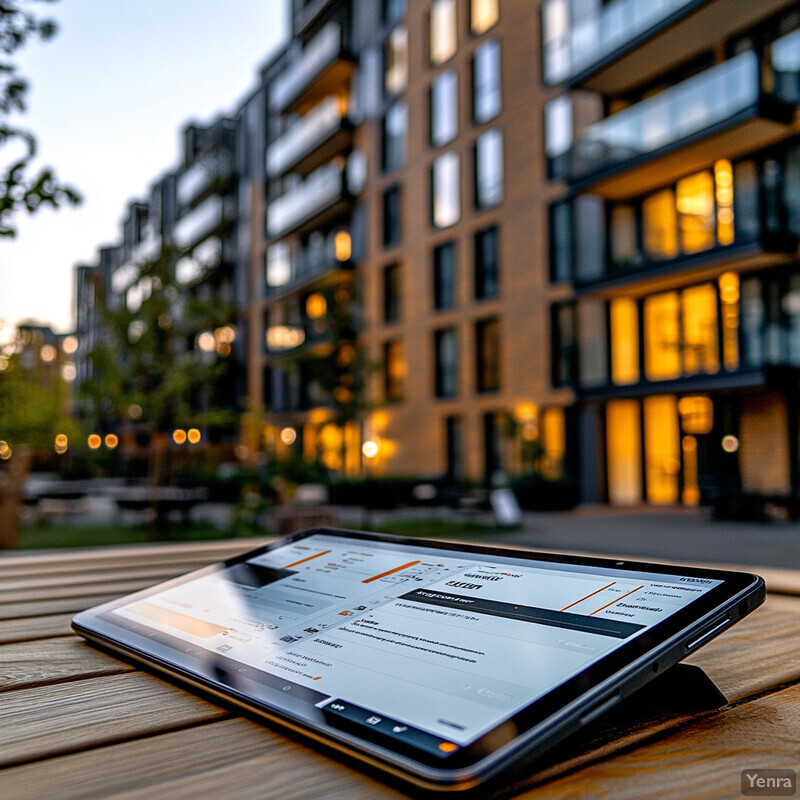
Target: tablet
x,y
443,663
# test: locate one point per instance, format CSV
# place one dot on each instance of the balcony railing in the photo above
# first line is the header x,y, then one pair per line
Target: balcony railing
x,y
321,189
320,53
199,177
201,222
597,36
685,111
310,132
302,266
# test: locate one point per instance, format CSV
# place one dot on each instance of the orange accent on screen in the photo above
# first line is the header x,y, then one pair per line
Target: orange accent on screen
x,y
596,591
390,572
617,600
307,558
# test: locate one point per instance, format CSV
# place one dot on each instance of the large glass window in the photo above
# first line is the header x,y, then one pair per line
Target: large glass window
x,y
444,276
443,31
279,264
445,190
592,359
392,292
395,77
444,108
392,11
395,136
695,203
391,216
700,340
624,341
446,363
394,370
662,356
624,253
487,264
558,134
659,220
487,339
489,169
486,91
562,242
483,14
624,452
565,346
661,449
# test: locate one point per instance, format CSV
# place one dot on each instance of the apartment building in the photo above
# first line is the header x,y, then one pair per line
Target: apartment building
x,y
673,134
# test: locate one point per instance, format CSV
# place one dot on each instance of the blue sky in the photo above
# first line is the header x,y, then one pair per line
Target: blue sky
x,y
109,96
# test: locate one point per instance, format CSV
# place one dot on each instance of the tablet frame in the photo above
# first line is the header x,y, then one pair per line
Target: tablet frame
x,y
555,715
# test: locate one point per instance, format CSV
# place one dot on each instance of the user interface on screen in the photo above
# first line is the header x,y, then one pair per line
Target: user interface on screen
x,y
432,647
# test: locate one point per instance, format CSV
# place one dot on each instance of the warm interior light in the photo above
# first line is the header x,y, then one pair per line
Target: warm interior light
x,y
94,441
288,436
69,345
316,306
193,435
206,342
112,440
48,353
370,448
342,246
179,436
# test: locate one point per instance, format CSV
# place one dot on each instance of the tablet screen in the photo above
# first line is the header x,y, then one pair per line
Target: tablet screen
x,y
430,647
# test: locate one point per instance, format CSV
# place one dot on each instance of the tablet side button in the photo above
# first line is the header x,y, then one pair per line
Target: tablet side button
x,y
708,633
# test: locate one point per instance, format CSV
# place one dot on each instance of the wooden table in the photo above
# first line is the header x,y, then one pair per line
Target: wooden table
x,y
76,723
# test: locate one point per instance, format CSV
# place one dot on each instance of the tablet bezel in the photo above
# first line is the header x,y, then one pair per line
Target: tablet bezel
x,y
530,730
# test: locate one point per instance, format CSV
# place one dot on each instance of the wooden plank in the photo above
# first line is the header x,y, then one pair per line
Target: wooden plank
x,y
119,587
703,759
60,659
62,606
154,573
48,720
33,628
235,759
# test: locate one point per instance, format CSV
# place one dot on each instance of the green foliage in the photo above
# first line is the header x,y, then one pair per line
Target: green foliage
x,y
21,189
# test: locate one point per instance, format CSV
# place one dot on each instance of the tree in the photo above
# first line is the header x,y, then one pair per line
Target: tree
x,y
21,188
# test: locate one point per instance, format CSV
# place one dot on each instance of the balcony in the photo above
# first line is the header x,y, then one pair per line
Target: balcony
x,y
322,69
200,223
630,42
318,193
312,141
721,112
203,175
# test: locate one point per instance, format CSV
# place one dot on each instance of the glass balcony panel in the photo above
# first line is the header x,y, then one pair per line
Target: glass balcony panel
x,y
200,222
310,131
321,189
319,53
677,113
199,177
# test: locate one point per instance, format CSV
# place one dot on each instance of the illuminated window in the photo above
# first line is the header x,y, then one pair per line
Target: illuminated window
x,y
444,276
624,452
660,225
486,93
695,204
729,308
483,14
442,30
444,108
554,441
697,415
394,370
279,264
700,342
624,341
662,359
395,135
723,179
661,449
396,61
489,169
487,339
445,190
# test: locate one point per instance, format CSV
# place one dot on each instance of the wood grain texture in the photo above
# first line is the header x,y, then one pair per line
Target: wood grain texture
x,y
45,721
67,658
66,605
32,628
231,758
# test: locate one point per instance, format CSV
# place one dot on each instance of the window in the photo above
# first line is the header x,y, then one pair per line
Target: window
x,y
443,31
561,242
565,346
486,264
454,447
483,14
392,11
662,358
444,276
391,216
624,452
624,253
279,265
700,340
558,133
592,329
487,339
444,108
486,96
446,355
553,437
395,136
624,341
391,293
489,169
395,58
695,204
659,220
445,190
394,370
